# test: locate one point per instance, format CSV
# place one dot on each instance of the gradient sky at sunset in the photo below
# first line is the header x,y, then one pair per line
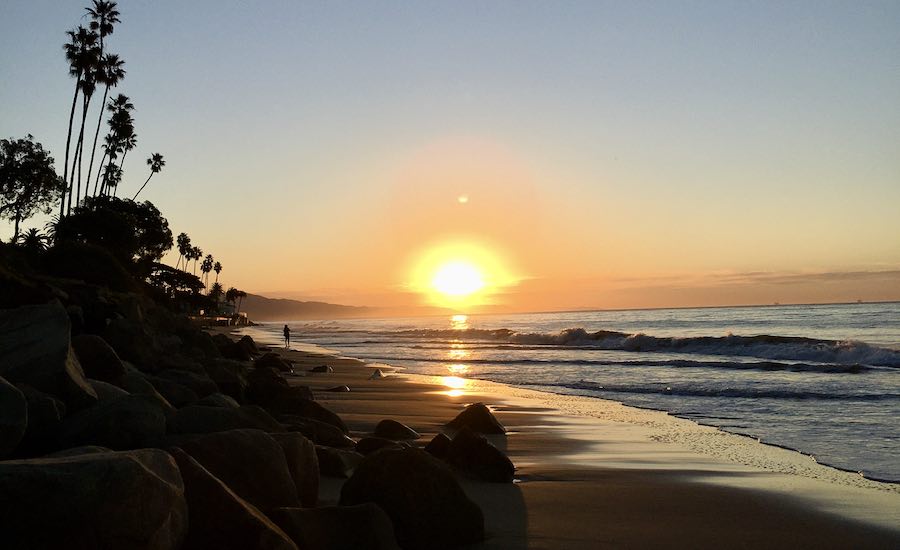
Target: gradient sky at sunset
x,y
613,154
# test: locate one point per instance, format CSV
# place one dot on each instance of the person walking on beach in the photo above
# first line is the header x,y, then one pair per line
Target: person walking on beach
x,y
287,337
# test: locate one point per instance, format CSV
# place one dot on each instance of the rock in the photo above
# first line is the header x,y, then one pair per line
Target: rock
x,y
221,519
474,454
247,343
478,418
377,374
396,431
198,344
336,462
318,432
120,423
198,383
13,417
264,385
97,358
131,341
303,464
173,392
438,446
250,462
218,400
424,501
45,413
35,350
275,361
338,527
106,391
228,376
322,369
129,500
295,404
75,451
135,383
198,419
339,389
368,445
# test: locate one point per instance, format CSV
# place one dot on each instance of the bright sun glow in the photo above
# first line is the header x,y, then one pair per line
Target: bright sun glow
x,y
457,278
459,275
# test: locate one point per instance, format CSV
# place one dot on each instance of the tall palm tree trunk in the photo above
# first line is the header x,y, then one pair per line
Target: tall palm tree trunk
x,y
99,169
142,187
96,135
79,149
62,201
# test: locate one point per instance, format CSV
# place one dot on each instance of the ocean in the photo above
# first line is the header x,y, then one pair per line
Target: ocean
x,y
820,379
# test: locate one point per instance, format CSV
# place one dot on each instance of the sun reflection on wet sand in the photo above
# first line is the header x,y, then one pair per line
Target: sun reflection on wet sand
x,y
456,384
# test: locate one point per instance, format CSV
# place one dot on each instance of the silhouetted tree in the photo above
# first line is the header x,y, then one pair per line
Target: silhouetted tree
x,y
217,267
205,267
156,163
196,254
28,182
111,71
183,243
81,52
33,242
136,234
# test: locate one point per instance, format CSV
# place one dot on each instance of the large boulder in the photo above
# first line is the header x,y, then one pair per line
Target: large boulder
x,y
300,454
369,445
424,501
478,418
396,431
228,376
247,343
273,360
97,358
474,454
132,341
264,384
199,419
218,400
294,403
35,350
338,527
318,432
136,383
250,462
438,446
199,383
106,390
129,500
45,413
120,423
219,517
13,417
338,463
177,394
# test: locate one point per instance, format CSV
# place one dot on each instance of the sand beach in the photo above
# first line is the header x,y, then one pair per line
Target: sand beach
x,y
596,474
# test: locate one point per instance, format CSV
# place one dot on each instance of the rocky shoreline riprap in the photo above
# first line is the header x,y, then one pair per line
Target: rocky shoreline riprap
x,y
125,426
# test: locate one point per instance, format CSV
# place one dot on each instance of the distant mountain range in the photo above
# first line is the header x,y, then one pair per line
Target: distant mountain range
x,y
260,308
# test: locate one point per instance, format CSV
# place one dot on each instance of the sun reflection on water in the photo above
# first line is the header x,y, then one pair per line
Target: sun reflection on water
x,y
459,322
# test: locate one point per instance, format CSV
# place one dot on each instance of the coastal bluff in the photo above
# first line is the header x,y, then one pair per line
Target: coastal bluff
x,y
125,426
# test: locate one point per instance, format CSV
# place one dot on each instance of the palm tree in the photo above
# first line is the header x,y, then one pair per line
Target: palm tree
x,y
205,267
196,254
240,295
121,136
104,16
80,52
110,73
218,269
231,295
215,292
156,163
33,241
184,245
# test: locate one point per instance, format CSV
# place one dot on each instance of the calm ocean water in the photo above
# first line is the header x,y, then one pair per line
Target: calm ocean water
x,y
824,379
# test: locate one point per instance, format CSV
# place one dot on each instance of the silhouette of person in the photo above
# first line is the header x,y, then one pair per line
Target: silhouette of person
x,y
287,337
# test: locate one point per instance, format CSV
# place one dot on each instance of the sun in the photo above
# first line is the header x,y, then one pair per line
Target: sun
x,y
457,279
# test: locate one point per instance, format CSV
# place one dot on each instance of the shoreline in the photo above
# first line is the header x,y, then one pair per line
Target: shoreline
x,y
568,450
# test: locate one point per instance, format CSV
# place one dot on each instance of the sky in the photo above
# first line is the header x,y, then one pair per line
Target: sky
x,y
578,154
